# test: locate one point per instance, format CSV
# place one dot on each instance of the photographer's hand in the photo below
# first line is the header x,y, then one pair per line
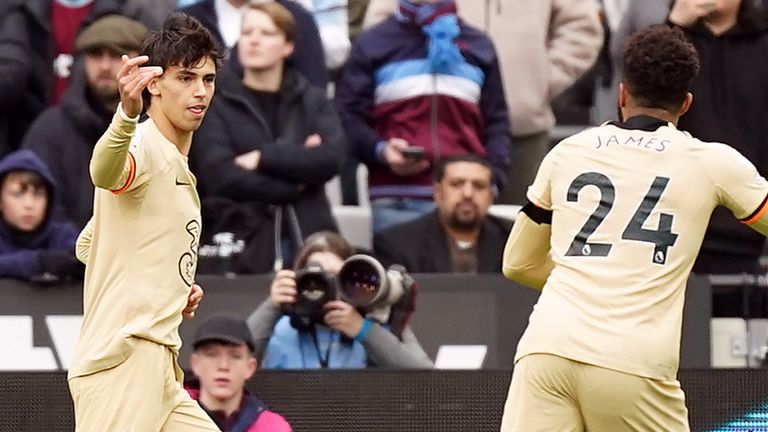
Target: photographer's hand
x,y
283,288
341,316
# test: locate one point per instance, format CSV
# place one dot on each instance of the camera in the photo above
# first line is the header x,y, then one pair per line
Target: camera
x,y
362,282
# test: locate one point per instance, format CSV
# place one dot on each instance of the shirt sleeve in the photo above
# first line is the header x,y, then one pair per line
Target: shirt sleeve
x,y
738,185
540,192
119,156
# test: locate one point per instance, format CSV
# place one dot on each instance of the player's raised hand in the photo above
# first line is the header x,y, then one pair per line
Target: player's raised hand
x,y
193,302
132,79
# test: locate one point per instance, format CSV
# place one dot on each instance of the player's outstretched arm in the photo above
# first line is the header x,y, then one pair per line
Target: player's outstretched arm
x,y
111,165
526,254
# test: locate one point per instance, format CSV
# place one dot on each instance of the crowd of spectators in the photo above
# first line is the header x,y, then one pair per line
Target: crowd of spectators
x,y
447,103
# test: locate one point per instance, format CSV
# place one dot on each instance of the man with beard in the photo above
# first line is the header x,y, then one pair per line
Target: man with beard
x,y
64,135
459,236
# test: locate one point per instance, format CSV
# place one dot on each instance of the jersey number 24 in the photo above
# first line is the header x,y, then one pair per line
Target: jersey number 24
x,y
662,237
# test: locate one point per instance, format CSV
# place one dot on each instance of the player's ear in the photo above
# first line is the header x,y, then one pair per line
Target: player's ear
x,y
154,86
686,104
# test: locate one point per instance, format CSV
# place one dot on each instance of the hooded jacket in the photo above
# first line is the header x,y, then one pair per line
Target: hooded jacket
x,y
729,105
63,136
51,247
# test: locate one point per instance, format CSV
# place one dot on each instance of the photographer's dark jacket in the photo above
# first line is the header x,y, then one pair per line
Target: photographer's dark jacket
x,y
63,136
422,245
51,248
289,174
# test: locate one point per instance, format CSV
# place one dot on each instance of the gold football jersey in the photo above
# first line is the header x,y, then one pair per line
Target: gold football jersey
x,y
630,204
142,257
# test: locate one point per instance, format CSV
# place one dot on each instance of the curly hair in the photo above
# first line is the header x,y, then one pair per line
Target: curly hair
x,y
182,41
659,65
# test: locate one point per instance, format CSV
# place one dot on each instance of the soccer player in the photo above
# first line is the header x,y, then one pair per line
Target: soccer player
x,y
140,247
615,218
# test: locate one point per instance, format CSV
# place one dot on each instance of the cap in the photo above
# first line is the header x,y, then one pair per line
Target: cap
x,y
223,328
116,32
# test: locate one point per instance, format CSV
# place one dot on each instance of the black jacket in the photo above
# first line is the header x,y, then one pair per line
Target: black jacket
x,y
26,62
63,137
289,173
730,105
307,58
422,245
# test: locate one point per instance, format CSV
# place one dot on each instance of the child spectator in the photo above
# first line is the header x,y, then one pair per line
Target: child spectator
x,y
223,361
32,245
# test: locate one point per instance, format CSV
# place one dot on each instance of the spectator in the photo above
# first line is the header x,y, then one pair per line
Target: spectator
x,y
64,135
269,140
459,236
36,44
544,46
332,19
32,245
347,340
222,362
731,37
224,17
417,88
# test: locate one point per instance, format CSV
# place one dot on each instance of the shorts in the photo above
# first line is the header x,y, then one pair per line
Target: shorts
x,y
551,393
142,394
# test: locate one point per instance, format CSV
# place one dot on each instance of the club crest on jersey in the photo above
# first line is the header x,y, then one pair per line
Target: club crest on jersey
x,y
188,261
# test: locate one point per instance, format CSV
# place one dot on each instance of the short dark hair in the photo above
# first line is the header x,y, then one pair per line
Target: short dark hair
x,y
182,41
28,180
439,172
659,65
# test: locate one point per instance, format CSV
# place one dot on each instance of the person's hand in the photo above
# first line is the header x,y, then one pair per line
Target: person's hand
x,y
313,140
283,288
686,12
398,163
341,316
132,79
249,161
193,302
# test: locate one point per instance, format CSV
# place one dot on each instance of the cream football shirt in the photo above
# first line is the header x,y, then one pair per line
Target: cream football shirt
x,y
142,256
630,204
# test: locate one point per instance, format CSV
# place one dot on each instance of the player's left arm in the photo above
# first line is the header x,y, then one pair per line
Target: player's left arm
x,y
526,254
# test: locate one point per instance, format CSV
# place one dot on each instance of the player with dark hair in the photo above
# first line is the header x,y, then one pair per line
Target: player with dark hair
x,y
140,246
609,235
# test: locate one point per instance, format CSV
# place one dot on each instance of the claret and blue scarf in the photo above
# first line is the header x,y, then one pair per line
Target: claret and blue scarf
x,y
439,23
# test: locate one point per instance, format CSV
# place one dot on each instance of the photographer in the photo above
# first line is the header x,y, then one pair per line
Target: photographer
x,y
340,337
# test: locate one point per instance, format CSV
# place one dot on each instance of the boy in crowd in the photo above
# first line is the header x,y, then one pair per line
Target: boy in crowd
x,y
223,361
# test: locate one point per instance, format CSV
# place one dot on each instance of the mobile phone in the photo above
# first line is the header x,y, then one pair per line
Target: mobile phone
x,y
413,152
